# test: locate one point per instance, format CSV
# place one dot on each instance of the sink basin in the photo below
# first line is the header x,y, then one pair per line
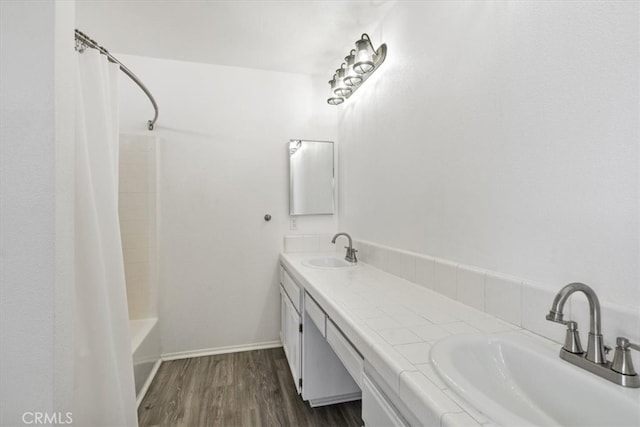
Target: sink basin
x,y
329,262
518,380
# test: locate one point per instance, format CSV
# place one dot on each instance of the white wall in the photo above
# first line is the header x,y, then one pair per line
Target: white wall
x,y
222,150
36,222
502,135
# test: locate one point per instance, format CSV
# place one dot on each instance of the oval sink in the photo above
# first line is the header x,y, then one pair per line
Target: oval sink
x,y
518,380
329,262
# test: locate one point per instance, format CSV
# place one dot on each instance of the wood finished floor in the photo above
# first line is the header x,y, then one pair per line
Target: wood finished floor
x,y
252,388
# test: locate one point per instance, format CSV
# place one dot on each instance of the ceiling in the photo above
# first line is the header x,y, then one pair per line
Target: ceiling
x,y
299,36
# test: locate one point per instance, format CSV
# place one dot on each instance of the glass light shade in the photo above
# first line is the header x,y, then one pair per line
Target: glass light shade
x,y
341,89
334,100
351,78
364,56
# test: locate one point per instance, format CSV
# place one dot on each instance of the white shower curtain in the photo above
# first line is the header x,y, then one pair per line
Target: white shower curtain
x,y
104,385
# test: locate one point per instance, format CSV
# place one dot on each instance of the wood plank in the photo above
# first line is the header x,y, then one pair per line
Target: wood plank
x,y
252,388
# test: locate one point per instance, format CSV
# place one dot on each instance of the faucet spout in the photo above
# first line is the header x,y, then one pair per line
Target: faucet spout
x,y
342,234
595,345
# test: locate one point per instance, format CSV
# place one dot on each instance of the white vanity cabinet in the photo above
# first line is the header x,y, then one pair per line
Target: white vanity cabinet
x,y
318,372
291,336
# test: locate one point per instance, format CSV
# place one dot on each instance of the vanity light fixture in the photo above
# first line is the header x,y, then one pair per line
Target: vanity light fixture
x,y
359,65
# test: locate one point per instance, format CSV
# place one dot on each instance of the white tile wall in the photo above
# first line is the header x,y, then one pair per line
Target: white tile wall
x,y
394,263
137,211
424,271
503,298
378,257
311,243
471,286
445,278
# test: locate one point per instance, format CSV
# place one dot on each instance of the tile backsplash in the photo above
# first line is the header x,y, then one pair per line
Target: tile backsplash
x,y
514,300
312,243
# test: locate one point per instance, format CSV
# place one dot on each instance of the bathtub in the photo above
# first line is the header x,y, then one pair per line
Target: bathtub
x,y
145,349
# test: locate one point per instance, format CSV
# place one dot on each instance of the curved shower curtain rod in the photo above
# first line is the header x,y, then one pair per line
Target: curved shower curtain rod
x,y
83,41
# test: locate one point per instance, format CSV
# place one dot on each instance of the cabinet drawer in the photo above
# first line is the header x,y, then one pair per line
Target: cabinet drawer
x,y
292,289
376,410
316,314
347,354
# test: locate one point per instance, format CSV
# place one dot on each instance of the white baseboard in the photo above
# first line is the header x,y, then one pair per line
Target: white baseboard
x,y
147,383
220,350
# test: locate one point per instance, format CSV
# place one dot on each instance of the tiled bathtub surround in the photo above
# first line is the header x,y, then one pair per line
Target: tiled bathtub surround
x,y
514,300
137,209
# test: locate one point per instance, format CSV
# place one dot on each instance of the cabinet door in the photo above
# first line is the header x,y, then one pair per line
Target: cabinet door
x,y
376,410
291,337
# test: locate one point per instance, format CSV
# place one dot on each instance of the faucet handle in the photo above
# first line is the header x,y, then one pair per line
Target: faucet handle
x,y
572,338
622,362
351,254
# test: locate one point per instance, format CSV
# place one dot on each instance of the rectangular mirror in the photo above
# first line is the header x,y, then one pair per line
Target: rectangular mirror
x,y
311,180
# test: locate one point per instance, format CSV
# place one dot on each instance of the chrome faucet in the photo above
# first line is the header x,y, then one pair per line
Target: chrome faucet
x,y
351,253
595,346
594,360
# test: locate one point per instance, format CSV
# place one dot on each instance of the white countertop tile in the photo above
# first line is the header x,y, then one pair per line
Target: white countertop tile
x,y
429,372
387,361
411,319
427,401
493,325
459,328
430,332
415,353
383,322
397,336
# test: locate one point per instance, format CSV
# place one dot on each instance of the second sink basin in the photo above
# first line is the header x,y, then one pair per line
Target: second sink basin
x,y
517,380
329,262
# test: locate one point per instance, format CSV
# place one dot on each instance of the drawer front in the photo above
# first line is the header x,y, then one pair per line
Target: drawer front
x,y
316,314
376,410
347,354
292,289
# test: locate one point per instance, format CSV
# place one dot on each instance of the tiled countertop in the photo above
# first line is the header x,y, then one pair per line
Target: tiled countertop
x,y
394,323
